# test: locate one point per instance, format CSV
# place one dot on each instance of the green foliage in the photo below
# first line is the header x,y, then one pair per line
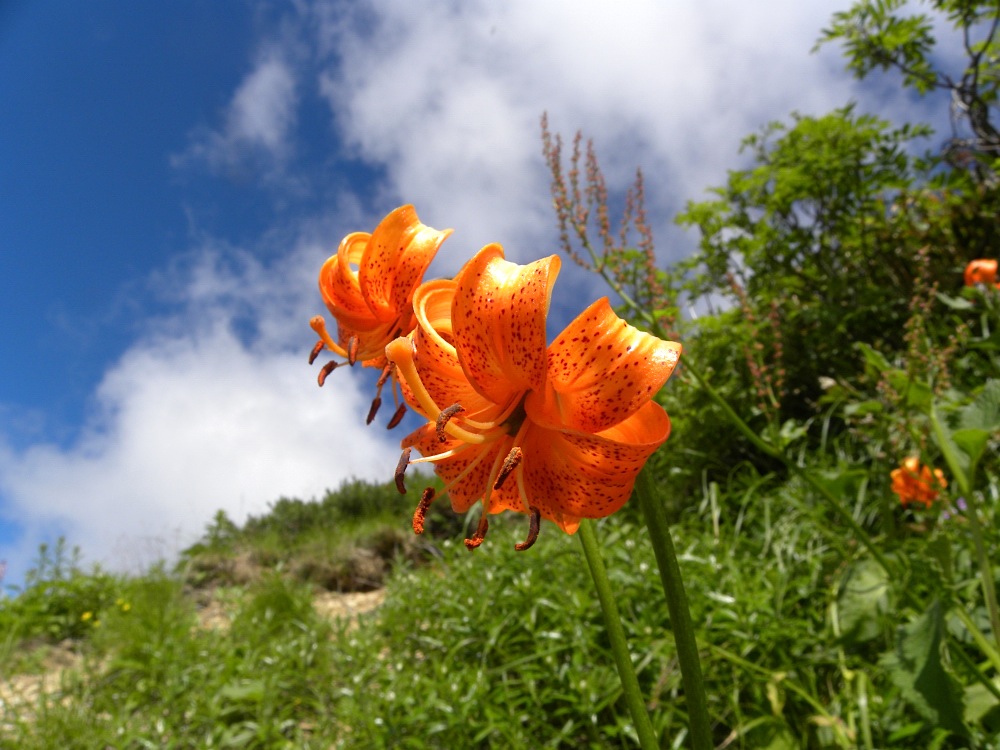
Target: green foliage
x,y
915,666
346,541
60,599
888,35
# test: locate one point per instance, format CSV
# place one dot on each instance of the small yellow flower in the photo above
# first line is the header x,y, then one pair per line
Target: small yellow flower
x,y
86,616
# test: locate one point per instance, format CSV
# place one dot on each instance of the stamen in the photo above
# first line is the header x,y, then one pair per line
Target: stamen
x,y
376,403
404,461
397,416
387,372
400,351
384,377
352,349
325,372
315,351
533,526
480,535
420,514
510,463
443,418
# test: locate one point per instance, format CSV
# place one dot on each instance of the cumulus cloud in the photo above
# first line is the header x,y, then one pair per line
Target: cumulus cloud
x,y
215,408
257,128
448,97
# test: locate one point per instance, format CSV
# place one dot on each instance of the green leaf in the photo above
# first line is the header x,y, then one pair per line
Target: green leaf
x,y
862,601
863,408
956,303
915,667
984,412
972,443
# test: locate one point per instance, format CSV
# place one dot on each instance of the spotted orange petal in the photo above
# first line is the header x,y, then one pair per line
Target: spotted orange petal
x,y
498,319
398,253
570,475
601,370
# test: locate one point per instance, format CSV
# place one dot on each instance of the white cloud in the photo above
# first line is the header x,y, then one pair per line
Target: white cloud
x,y
448,97
202,414
257,126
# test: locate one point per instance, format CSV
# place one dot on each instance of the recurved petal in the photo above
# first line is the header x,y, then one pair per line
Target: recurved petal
x,y
601,370
435,357
339,286
498,318
413,263
398,253
570,475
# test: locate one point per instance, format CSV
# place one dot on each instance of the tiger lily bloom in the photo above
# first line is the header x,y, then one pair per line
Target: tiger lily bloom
x,y
368,288
558,431
981,271
914,483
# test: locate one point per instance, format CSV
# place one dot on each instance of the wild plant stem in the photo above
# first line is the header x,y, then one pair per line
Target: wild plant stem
x,y
616,635
699,725
964,481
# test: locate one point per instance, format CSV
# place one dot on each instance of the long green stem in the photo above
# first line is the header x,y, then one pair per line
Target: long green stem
x,y
616,635
964,481
699,724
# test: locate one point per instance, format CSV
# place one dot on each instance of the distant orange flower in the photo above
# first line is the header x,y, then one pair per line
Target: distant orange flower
x,y
915,483
559,431
368,288
981,271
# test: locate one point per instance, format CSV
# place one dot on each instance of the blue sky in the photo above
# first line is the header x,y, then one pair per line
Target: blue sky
x,y
173,174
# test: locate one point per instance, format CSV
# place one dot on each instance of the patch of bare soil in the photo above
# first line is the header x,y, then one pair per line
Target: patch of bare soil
x,y
20,693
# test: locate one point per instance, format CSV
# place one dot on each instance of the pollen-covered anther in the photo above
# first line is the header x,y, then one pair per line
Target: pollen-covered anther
x,y
480,535
376,403
533,527
353,344
404,461
510,463
420,514
397,416
325,372
315,351
444,417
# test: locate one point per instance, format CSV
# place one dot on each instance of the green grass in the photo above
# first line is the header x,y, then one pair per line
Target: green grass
x,y
500,649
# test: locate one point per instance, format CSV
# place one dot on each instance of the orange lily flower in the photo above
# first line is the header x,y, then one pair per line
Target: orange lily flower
x,y
915,483
981,271
559,431
368,287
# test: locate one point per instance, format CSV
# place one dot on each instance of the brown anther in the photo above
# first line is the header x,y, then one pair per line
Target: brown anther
x,y
420,514
315,351
510,463
327,369
404,461
533,526
444,417
480,535
376,403
397,416
353,344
